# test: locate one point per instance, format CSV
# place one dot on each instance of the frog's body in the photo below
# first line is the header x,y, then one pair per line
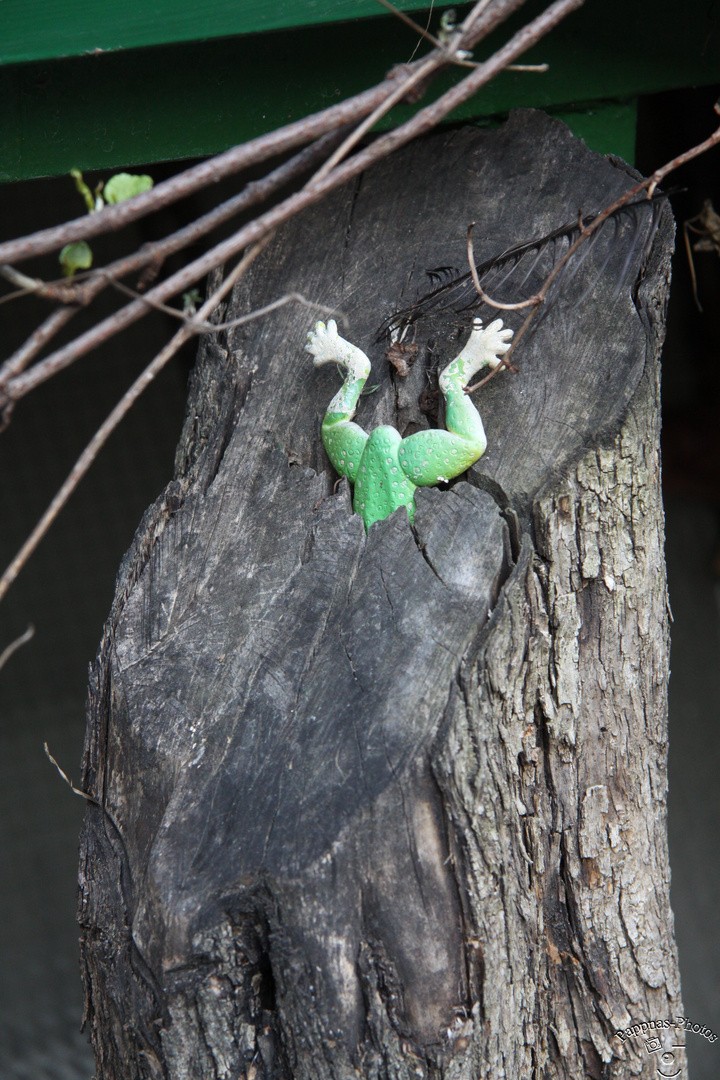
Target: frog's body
x,y
381,485
385,468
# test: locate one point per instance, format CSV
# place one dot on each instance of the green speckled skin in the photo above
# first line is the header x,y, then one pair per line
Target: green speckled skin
x,y
384,468
381,485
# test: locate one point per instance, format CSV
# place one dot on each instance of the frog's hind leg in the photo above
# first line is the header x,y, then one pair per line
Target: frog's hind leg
x,y
343,440
431,456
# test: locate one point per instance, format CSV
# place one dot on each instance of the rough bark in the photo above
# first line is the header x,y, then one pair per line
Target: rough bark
x,y
394,805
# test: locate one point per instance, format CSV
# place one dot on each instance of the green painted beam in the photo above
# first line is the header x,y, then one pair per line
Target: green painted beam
x,y
47,29
610,127
136,106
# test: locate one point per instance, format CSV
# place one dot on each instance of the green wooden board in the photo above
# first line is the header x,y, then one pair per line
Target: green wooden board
x,y
135,106
45,29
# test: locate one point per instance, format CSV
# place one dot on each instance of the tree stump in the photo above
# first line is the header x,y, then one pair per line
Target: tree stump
x,y
393,805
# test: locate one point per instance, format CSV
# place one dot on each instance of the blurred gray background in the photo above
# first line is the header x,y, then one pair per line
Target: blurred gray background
x,y
67,588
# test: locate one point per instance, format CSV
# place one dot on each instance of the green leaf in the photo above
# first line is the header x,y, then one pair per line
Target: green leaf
x,y
124,186
74,257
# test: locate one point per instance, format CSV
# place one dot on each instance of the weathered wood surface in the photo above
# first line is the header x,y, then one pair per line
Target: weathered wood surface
x,y
394,805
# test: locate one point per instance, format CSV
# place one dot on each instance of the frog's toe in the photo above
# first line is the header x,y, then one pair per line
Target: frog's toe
x,y
316,339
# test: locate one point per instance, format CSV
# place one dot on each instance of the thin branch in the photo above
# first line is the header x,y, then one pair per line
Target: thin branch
x,y
93,283
289,298
483,19
426,68
425,33
27,352
691,262
22,282
659,175
411,23
421,122
122,408
478,287
15,645
240,157
196,326
258,233
648,186
207,172
431,115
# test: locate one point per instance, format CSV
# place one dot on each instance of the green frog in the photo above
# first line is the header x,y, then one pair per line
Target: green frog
x,y
384,468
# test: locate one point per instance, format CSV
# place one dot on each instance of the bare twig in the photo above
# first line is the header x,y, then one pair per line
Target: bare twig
x,y
478,287
22,282
37,341
705,225
191,274
453,53
257,150
197,326
112,218
422,121
425,33
648,186
85,291
122,408
687,229
15,645
682,159
431,115
411,23
426,68
483,17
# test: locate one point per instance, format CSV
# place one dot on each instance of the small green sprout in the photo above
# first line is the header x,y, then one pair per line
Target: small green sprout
x,y
448,25
91,201
120,187
77,256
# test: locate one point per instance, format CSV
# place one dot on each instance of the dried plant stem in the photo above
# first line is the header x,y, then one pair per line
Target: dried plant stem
x,y
66,778
121,410
426,68
86,290
411,23
198,326
32,346
476,26
647,186
253,237
424,33
15,645
478,287
112,218
421,122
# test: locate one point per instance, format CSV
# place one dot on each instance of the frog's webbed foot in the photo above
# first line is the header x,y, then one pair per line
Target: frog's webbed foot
x,y
327,347
322,342
484,348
